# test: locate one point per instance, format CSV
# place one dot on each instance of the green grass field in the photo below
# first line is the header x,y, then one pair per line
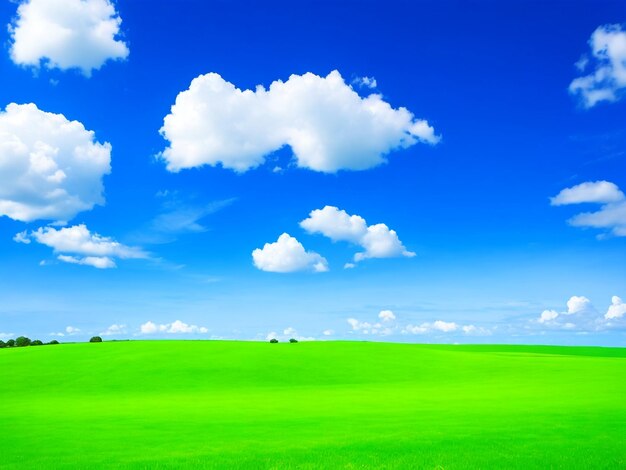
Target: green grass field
x,y
217,404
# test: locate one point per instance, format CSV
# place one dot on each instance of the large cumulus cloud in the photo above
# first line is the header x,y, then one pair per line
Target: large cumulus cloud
x,y
326,123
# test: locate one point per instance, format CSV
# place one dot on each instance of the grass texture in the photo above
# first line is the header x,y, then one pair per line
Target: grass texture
x,y
336,405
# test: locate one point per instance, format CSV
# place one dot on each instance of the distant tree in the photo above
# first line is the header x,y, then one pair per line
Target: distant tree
x,y
273,340
36,343
95,339
293,340
2,344
54,341
10,343
22,341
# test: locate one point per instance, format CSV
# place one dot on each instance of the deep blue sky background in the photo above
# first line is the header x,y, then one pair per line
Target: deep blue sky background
x,y
491,77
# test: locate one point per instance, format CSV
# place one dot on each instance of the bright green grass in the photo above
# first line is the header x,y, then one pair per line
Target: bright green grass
x,y
165,404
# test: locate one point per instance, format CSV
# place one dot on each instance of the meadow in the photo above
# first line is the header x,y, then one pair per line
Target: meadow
x,y
352,405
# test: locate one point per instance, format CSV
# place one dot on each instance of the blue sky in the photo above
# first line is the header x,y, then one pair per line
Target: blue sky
x,y
506,127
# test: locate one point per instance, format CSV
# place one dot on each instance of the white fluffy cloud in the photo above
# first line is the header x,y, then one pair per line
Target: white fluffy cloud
x,y
175,327
93,249
328,126
114,330
601,192
438,325
607,80
287,255
377,240
617,309
577,304
368,328
548,315
612,214
386,315
66,34
50,168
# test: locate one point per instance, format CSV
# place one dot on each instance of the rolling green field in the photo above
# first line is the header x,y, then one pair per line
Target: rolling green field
x,y
218,404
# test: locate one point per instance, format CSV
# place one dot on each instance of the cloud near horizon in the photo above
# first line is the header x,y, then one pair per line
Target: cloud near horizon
x,y
66,34
176,327
327,125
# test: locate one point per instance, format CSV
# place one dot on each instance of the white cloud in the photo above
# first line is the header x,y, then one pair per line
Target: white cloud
x,y
176,327
367,328
100,262
71,330
444,326
328,126
617,309
94,249
577,304
22,237
6,335
377,240
50,168
612,214
548,316
149,328
328,332
114,329
475,330
288,333
368,82
66,34
287,255
607,81
601,192
386,315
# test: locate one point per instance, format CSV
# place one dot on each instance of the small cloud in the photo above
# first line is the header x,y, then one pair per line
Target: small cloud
x,y
378,240
79,34
612,213
287,255
22,237
176,327
328,332
114,329
577,304
71,330
548,316
92,249
617,309
386,315
366,82
607,81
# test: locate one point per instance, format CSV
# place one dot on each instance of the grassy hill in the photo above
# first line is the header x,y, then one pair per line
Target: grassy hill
x,y
210,404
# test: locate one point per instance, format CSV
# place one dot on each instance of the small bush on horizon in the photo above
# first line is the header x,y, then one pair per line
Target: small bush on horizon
x,y
95,339
10,343
22,341
2,344
37,343
273,340
54,341
293,340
